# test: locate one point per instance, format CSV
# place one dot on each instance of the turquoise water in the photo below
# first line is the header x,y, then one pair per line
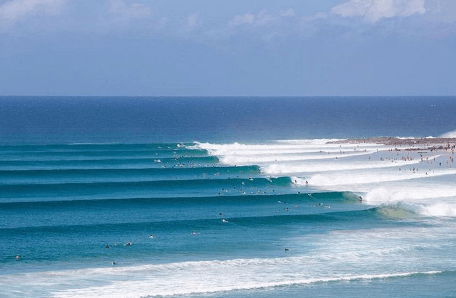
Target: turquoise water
x,y
224,202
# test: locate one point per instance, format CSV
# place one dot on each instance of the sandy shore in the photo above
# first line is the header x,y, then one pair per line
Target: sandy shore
x,y
448,144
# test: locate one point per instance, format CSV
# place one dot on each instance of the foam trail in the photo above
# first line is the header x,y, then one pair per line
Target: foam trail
x,y
450,134
438,210
255,159
281,151
287,151
148,287
363,178
309,141
413,193
276,168
309,144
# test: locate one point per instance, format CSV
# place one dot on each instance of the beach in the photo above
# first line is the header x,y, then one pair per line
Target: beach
x,y
416,143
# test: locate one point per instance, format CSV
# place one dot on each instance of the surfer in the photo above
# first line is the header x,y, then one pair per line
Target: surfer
x,y
107,246
360,198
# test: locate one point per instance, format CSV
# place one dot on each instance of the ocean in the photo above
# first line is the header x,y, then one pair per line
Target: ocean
x,y
225,197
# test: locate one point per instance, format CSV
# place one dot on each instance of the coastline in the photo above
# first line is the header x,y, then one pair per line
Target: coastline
x,y
447,144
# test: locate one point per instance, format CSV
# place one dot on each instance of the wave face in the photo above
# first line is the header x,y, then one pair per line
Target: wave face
x,y
194,219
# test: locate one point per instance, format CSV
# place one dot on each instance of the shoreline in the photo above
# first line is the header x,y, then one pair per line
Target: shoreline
x,y
416,144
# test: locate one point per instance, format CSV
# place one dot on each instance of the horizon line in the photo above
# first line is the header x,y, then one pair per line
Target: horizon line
x,y
224,96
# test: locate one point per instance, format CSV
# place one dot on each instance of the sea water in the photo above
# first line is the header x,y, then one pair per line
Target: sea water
x,y
225,197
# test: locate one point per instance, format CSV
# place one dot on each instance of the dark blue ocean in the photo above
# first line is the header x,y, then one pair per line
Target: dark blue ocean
x,y
225,197
67,120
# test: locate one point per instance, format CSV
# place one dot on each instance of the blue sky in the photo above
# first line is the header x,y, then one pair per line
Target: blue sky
x,y
247,48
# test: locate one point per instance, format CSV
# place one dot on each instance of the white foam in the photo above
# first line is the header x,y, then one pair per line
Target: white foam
x,y
446,207
439,210
147,288
260,159
285,151
217,276
309,141
339,165
350,178
281,151
450,134
415,194
281,146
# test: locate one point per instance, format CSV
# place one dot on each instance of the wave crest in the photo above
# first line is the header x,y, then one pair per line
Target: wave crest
x,y
450,134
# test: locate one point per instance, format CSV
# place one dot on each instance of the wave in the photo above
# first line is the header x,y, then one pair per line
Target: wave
x,y
323,216
99,152
94,147
107,163
121,289
450,134
396,211
275,150
424,202
342,197
185,278
88,157
264,153
369,178
108,188
24,176
281,145
309,141
294,168
256,159
423,193
400,210
438,210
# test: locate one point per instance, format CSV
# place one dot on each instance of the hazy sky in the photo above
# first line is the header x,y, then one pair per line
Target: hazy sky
x,y
236,47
